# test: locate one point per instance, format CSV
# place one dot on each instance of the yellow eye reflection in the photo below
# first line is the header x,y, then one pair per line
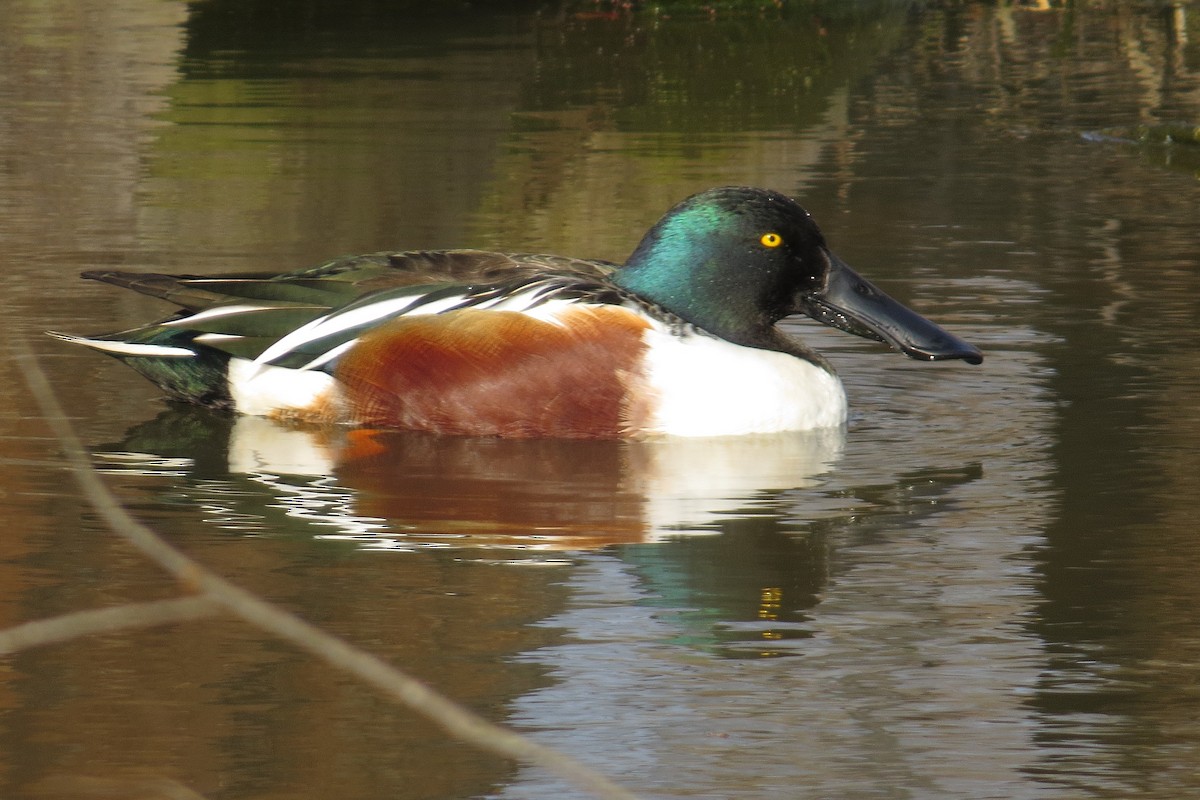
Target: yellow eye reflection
x,y
771,240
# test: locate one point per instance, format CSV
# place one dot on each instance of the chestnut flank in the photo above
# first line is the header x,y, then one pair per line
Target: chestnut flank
x,y
499,373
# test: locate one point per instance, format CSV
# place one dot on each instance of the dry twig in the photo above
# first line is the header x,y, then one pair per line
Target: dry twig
x,y
104,620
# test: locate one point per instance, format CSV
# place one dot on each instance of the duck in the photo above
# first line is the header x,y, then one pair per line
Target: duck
x,y
680,340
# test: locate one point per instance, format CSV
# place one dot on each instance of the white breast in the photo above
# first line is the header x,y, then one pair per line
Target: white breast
x,y
703,386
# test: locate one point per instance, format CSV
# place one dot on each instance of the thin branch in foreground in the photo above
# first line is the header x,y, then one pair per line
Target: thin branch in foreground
x,y
455,719
104,620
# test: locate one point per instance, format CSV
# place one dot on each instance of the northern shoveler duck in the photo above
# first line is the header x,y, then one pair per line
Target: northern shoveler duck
x,y
681,340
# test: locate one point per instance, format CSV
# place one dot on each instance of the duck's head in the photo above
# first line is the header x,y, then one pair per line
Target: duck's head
x,y
736,260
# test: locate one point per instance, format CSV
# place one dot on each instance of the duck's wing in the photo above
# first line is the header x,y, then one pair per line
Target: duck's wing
x,y
521,287
305,319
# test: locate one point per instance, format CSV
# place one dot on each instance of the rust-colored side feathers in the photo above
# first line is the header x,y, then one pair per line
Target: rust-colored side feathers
x,y
498,373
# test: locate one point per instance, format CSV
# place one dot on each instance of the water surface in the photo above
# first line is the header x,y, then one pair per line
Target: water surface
x,y
984,587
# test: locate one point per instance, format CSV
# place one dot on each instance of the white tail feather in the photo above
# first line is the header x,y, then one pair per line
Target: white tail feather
x,y
126,348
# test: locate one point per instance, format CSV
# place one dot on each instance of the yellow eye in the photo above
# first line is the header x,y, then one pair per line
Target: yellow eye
x,y
771,240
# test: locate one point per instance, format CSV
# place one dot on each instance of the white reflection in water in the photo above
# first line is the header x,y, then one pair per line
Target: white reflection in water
x,y
679,485
403,491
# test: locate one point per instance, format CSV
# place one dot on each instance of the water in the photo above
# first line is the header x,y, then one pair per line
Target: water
x,y
985,588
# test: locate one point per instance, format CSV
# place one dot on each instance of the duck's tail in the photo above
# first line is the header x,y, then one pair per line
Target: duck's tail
x,y
187,354
183,371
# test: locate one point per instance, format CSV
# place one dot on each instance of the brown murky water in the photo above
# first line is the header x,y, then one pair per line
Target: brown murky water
x,y
985,588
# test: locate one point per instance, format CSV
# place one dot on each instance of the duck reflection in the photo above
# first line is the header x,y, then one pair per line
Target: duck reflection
x,y
744,526
386,489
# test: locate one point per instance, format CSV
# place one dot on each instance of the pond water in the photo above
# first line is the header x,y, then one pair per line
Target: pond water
x,y
986,587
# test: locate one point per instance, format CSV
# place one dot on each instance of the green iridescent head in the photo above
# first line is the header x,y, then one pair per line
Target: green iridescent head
x,y
729,260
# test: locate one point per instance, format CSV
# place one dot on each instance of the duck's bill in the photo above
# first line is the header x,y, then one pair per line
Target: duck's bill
x,y
853,304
